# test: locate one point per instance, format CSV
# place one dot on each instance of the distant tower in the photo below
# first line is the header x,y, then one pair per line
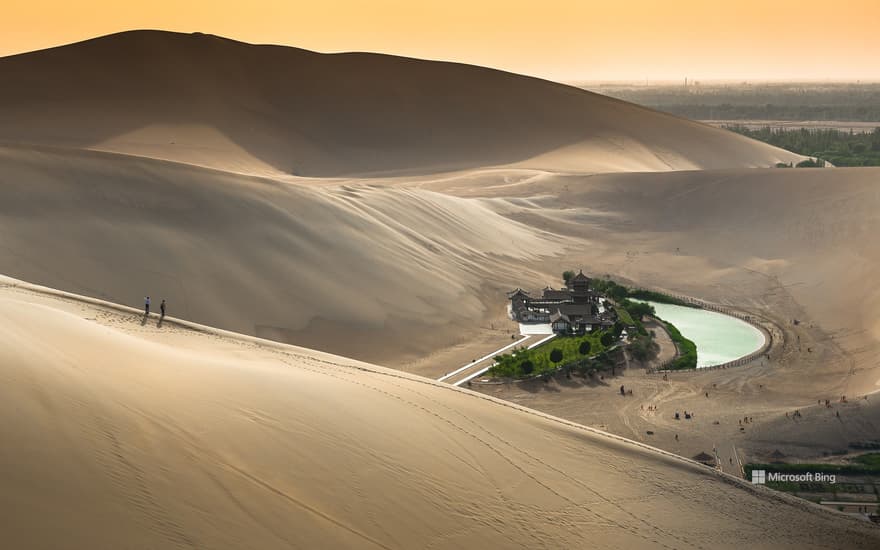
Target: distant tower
x,y
580,288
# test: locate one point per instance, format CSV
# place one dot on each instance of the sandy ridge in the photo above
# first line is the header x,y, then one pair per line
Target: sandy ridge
x,y
338,362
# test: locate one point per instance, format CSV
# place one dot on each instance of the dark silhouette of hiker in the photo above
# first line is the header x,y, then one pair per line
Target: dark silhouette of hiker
x,y
146,305
162,308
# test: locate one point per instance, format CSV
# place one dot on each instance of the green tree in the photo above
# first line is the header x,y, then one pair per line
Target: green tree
x,y
556,355
585,347
643,348
567,276
640,309
527,367
617,292
809,163
607,339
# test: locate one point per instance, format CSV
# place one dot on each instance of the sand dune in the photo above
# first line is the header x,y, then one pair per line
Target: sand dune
x,y
131,168
405,268
157,94
138,436
372,271
743,237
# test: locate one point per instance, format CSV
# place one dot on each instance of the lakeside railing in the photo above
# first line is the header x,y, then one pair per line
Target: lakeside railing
x,y
763,325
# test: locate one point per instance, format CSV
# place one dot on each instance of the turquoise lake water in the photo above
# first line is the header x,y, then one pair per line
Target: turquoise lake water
x,y
719,338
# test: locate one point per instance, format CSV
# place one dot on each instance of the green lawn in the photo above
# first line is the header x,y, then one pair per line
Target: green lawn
x,y
870,460
510,365
624,316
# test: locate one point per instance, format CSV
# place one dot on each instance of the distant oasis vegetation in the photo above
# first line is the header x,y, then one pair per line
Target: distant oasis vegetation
x,y
840,148
840,101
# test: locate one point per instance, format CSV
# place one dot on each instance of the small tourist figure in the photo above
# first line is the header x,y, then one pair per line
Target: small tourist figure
x,y
162,308
146,305
622,392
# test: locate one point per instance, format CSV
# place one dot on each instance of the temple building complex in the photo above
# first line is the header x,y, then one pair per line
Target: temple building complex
x,y
574,309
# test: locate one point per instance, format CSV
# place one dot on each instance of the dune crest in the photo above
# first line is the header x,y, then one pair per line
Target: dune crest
x,y
374,271
311,114
197,144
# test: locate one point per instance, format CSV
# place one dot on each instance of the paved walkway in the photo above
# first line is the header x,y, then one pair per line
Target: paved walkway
x,y
482,365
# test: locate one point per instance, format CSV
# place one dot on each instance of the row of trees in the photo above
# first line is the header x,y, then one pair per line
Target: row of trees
x,y
642,345
840,148
766,101
544,359
770,111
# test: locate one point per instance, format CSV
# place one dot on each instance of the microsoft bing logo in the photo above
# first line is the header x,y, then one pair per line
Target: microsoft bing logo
x,y
761,477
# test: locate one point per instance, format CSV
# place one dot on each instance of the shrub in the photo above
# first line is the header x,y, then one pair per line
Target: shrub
x,y
643,348
688,350
556,355
810,163
640,309
659,297
585,347
607,339
527,367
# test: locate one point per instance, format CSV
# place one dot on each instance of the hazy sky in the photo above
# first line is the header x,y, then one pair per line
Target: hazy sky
x,y
557,39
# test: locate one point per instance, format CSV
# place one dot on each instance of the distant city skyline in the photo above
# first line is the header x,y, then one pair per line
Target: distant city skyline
x,y
564,40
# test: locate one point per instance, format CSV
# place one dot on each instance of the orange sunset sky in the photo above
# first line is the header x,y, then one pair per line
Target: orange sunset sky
x,y
557,39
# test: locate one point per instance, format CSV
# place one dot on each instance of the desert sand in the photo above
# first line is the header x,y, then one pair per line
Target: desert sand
x,y
130,434
303,199
223,104
782,244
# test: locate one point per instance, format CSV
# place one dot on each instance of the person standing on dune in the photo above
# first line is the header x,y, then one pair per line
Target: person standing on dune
x,y
146,305
162,308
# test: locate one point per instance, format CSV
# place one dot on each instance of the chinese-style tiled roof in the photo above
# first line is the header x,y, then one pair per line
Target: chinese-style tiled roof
x,y
559,317
552,294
